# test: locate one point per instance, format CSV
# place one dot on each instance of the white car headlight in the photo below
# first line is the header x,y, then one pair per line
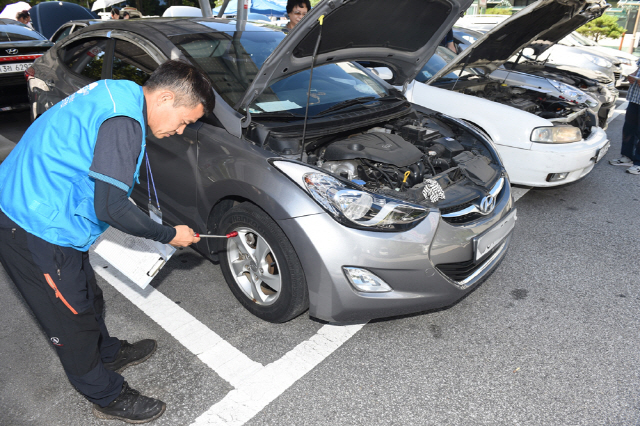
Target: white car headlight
x,y
599,61
556,134
351,205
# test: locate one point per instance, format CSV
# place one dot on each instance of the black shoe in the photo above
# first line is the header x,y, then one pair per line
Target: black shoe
x,y
129,354
131,407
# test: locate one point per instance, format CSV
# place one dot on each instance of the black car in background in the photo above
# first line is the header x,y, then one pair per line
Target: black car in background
x,y
19,47
47,17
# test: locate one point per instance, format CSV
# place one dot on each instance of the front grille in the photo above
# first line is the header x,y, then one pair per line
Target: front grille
x,y
462,219
457,208
617,76
460,271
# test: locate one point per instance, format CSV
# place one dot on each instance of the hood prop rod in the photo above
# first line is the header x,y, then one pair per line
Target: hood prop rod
x,y
513,68
313,63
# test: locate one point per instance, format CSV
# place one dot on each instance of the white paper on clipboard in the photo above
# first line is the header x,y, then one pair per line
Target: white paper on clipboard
x,y
137,258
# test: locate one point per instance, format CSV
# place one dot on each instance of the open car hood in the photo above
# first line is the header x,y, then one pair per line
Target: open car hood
x,y
403,35
538,26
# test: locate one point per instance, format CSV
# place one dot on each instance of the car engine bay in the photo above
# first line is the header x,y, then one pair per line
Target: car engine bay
x,y
432,160
536,102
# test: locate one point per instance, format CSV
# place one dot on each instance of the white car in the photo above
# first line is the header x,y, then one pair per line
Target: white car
x,y
545,137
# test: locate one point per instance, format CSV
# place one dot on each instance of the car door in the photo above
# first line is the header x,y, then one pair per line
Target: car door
x,y
173,159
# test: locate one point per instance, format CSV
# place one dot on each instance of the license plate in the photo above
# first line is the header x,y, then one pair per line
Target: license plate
x,y
484,243
7,68
602,151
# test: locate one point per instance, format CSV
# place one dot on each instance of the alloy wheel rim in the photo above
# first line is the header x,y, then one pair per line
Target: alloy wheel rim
x,y
254,267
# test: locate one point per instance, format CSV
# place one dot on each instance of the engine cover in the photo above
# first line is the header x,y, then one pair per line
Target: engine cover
x,y
379,147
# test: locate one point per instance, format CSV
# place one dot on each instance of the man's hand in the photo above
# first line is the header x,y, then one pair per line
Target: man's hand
x,y
184,237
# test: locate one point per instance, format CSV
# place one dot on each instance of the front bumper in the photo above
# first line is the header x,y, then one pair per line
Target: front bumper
x,y
407,261
531,167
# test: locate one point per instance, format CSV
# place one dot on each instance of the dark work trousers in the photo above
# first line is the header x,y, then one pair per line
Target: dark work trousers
x,y
60,287
631,133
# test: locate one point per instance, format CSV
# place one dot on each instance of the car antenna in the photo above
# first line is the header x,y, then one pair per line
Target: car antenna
x,y
313,62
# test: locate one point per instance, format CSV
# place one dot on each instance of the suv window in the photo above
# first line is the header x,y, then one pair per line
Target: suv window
x,y
130,62
85,56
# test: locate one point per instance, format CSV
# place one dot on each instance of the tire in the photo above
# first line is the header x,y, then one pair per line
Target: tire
x,y
260,265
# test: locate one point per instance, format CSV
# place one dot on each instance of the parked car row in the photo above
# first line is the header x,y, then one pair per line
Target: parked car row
x,y
352,199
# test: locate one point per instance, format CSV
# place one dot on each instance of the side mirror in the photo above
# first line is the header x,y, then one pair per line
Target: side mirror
x,y
383,72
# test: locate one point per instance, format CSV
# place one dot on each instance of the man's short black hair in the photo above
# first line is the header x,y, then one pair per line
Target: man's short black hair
x,y
189,85
300,3
115,11
22,15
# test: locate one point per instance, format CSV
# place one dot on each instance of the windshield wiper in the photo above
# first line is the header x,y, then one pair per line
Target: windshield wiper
x,y
346,104
279,114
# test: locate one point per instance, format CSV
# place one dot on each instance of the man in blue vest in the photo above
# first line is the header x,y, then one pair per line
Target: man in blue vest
x,y
62,186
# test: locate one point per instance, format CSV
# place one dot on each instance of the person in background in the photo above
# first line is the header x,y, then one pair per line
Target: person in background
x,y
115,13
296,9
24,18
126,15
447,42
631,129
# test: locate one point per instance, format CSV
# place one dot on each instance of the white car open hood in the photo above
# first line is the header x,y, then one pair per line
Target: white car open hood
x,y
538,26
401,34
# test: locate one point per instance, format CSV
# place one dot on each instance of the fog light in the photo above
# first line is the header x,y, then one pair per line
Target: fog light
x,y
554,177
366,281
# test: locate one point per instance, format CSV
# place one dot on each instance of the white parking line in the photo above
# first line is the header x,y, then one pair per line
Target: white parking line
x,y
518,191
622,109
256,392
227,361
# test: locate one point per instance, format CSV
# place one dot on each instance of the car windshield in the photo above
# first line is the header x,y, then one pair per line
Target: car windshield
x,y
438,61
19,33
232,60
332,84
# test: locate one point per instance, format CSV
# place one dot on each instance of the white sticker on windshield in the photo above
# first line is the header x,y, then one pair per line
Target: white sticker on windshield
x,y
277,106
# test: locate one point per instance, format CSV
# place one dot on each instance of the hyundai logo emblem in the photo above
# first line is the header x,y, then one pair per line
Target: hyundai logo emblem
x,y
11,51
487,204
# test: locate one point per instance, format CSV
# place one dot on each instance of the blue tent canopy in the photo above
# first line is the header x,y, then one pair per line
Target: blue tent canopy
x,y
264,7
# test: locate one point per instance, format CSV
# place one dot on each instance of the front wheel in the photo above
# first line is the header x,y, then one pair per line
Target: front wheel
x,y
261,266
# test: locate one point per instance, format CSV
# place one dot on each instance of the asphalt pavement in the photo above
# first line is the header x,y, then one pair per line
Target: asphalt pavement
x,y
551,338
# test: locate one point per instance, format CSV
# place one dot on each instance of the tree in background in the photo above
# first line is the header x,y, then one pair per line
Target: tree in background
x,y
603,27
499,11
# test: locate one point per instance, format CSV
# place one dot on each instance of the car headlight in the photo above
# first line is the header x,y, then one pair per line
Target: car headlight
x,y
556,134
626,61
349,204
599,61
573,94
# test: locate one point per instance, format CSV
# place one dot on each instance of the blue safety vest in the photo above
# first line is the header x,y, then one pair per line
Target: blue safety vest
x,y
46,186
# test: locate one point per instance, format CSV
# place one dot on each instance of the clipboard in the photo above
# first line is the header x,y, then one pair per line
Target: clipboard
x,y
137,258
